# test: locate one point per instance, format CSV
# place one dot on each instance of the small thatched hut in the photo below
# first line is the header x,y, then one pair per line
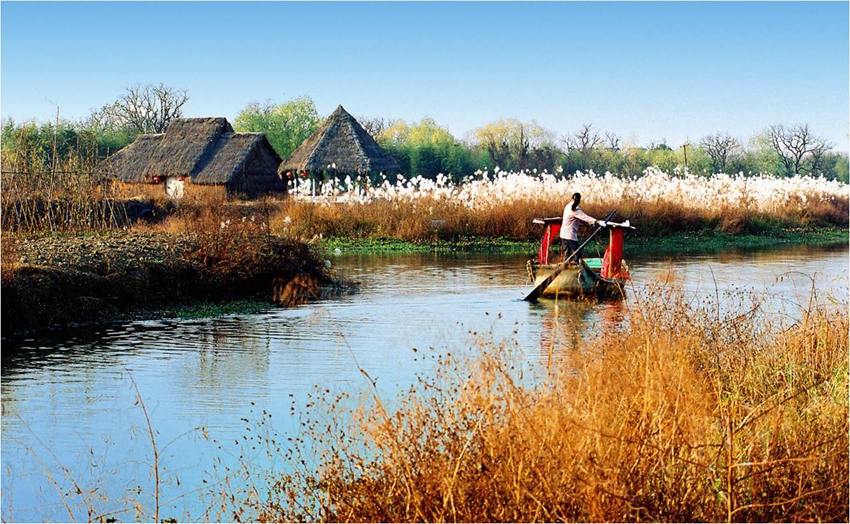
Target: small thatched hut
x,y
198,152
343,144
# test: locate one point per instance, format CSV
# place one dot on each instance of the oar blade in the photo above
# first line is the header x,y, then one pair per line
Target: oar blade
x,y
535,293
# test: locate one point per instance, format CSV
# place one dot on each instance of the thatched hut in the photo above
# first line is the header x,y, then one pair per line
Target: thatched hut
x,y
342,144
198,152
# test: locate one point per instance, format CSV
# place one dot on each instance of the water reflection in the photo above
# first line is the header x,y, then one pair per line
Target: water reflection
x,y
71,395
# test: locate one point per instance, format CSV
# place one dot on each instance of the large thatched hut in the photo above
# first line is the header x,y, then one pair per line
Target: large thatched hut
x,y
342,147
197,152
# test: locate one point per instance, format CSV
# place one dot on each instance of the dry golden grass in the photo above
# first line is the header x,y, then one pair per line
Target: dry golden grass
x,y
72,199
682,415
57,203
413,220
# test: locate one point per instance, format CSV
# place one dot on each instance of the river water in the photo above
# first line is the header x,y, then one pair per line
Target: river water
x,y
78,407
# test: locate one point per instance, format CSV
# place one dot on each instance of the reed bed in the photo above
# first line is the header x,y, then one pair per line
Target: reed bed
x,y
421,210
682,414
54,189
59,202
504,204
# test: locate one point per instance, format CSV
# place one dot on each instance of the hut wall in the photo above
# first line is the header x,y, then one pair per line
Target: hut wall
x,y
191,191
130,190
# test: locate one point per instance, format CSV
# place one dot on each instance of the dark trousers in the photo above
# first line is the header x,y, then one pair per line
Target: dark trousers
x,y
568,247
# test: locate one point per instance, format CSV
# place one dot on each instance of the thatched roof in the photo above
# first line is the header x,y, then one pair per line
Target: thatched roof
x,y
229,156
204,149
341,141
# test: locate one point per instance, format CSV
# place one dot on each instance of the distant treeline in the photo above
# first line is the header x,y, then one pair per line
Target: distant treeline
x,y
425,148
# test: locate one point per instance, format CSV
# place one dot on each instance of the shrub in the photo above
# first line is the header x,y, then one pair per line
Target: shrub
x,y
681,414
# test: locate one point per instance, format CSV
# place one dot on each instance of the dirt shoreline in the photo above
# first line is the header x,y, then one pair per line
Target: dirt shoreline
x,y
54,282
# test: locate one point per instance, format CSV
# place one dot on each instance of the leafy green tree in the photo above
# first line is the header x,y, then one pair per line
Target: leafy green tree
x,y
393,138
510,144
395,133
425,149
699,162
842,168
54,146
285,125
761,157
664,158
835,166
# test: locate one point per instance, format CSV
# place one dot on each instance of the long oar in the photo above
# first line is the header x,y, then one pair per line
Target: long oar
x,y
538,289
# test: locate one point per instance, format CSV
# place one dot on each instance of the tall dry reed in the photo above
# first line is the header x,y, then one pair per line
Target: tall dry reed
x,y
47,192
59,202
426,219
681,414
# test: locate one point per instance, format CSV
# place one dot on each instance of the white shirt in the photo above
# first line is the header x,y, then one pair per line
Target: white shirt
x,y
569,227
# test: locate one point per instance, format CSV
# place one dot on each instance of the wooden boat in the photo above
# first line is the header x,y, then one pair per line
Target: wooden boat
x,y
590,277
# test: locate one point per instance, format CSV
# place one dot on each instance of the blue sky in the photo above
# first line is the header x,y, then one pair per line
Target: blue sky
x,y
644,70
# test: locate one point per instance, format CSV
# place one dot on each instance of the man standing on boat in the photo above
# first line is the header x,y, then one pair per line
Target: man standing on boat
x,y
573,215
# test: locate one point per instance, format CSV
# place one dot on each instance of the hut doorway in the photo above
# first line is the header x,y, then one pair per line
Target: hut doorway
x,y
174,187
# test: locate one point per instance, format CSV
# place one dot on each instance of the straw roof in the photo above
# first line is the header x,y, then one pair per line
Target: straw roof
x,y
206,150
341,141
230,155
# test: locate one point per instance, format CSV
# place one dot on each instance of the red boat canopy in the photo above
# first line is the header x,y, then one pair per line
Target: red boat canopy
x,y
612,262
550,233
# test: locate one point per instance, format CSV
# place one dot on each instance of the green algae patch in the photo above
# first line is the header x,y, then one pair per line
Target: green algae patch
x,y
463,245
205,310
714,241
705,241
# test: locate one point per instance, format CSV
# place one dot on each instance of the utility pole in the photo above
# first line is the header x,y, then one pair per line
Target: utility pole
x,y
685,149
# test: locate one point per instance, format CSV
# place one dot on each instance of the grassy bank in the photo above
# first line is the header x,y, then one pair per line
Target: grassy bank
x,y
680,415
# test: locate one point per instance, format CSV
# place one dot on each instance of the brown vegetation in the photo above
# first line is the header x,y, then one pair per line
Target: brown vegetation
x,y
682,415
413,220
216,253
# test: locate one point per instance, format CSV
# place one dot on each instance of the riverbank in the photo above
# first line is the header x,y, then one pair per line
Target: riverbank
x,y
51,282
698,241
59,281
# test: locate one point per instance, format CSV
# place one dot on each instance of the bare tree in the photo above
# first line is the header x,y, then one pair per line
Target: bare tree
x,y
143,109
374,126
584,140
612,141
819,150
795,145
720,147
